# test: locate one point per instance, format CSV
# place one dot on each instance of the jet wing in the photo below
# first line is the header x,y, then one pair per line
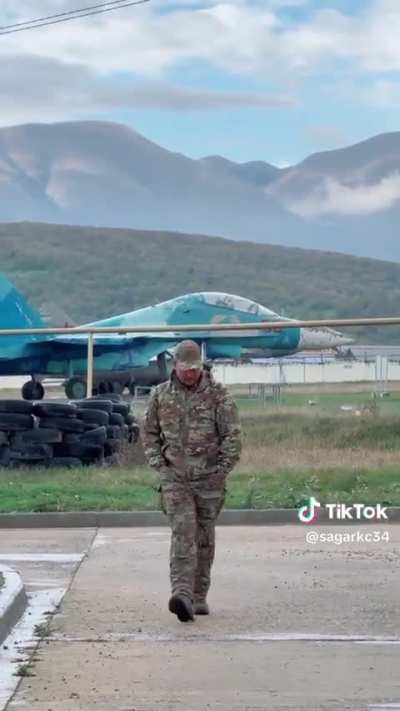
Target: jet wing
x,y
142,347
113,340
124,340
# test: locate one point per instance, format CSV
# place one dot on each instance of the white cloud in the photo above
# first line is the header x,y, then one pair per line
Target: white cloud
x,y
283,164
45,89
239,35
334,198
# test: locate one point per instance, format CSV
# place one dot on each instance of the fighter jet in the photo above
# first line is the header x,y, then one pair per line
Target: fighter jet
x,y
134,359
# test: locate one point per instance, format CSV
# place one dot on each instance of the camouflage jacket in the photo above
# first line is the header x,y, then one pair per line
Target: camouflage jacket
x,y
195,431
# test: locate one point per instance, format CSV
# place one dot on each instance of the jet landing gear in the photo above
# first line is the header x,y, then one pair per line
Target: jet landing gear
x,y
75,388
113,382
32,390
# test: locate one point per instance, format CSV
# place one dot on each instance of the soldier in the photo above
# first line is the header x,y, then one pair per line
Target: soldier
x,y
191,436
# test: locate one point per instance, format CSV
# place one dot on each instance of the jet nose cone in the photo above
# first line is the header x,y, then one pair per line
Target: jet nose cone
x,y
321,338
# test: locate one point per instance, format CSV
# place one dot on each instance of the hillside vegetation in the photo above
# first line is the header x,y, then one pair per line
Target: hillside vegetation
x,y
96,272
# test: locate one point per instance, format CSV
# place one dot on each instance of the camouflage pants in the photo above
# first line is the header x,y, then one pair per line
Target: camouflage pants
x,y
192,516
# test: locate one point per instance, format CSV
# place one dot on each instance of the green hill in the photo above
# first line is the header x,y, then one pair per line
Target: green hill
x,y
92,273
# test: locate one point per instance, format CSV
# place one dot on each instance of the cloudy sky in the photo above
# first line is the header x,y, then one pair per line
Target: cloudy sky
x,y
249,79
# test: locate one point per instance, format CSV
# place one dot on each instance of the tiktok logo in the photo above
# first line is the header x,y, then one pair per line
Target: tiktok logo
x,y
309,512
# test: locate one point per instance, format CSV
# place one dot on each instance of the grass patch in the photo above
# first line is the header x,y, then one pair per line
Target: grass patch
x,y
80,489
24,670
305,430
42,630
287,457
133,490
292,488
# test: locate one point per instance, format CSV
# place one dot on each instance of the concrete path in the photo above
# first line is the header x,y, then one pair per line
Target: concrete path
x,y
47,563
294,626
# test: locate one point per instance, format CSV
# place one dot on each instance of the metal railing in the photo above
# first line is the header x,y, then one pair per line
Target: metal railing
x,y
179,329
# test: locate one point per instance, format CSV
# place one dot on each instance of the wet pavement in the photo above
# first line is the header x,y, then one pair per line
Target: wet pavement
x,y
293,625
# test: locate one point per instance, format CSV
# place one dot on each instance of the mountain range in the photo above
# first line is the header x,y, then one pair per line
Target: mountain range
x,y
107,175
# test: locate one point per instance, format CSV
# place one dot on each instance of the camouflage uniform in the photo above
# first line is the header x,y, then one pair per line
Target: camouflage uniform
x,y
192,437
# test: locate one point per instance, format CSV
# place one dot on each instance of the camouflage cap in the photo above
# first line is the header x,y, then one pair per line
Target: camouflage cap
x,y
188,354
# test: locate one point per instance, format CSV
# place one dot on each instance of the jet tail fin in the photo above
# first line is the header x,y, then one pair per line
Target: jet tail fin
x,y
16,312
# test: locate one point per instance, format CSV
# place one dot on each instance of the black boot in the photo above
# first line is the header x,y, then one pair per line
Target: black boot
x,y
181,606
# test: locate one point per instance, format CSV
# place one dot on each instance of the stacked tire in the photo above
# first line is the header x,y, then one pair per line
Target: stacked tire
x,y
55,434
